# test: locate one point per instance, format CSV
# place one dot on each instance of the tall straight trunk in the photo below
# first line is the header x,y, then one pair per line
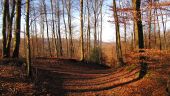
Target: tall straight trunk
x,y
159,31
46,21
88,29
155,36
125,35
4,52
56,31
65,27
59,33
95,24
70,29
35,31
136,39
10,23
101,29
164,28
149,22
42,36
53,27
81,31
139,29
28,40
17,30
118,42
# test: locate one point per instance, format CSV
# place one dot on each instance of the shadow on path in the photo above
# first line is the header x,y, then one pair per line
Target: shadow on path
x,y
104,88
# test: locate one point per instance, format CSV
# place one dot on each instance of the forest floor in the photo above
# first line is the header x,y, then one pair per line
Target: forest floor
x,y
69,77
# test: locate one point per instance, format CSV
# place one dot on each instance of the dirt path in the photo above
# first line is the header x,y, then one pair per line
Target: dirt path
x,y
73,76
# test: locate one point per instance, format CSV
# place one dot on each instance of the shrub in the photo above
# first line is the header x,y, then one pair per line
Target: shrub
x,y
96,56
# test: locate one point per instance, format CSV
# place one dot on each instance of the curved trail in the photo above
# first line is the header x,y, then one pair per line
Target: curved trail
x,y
74,76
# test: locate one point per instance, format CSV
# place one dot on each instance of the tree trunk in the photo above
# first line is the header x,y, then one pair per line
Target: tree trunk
x,y
88,29
5,8
59,33
139,30
118,42
95,24
159,31
149,22
46,21
10,23
28,60
68,7
53,28
65,26
81,31
17,30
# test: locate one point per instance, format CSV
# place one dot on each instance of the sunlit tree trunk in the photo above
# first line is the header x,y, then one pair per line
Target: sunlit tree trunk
x,y
155,36
53,27
17,29
65,27
164,28
101,29
28,60
81,31
118,42
88,29
149,22
68,7
42,31
159,31
95,23
139,29
46,21
59,33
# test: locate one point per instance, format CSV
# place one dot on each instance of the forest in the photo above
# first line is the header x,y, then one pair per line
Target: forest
x,y
63,48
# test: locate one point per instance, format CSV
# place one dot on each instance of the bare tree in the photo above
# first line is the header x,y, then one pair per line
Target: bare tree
x,y
28,39
46,21
65,26
81,30
5,8
139,30
10,17
59,32
53,26
17,29
118,42
69,7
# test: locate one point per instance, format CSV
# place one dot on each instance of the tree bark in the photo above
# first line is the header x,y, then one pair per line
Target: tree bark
x,y
139,30
65,26
53,27
28,57
59,33
4,52
81,31
46,21
10,23
118,42
17,30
